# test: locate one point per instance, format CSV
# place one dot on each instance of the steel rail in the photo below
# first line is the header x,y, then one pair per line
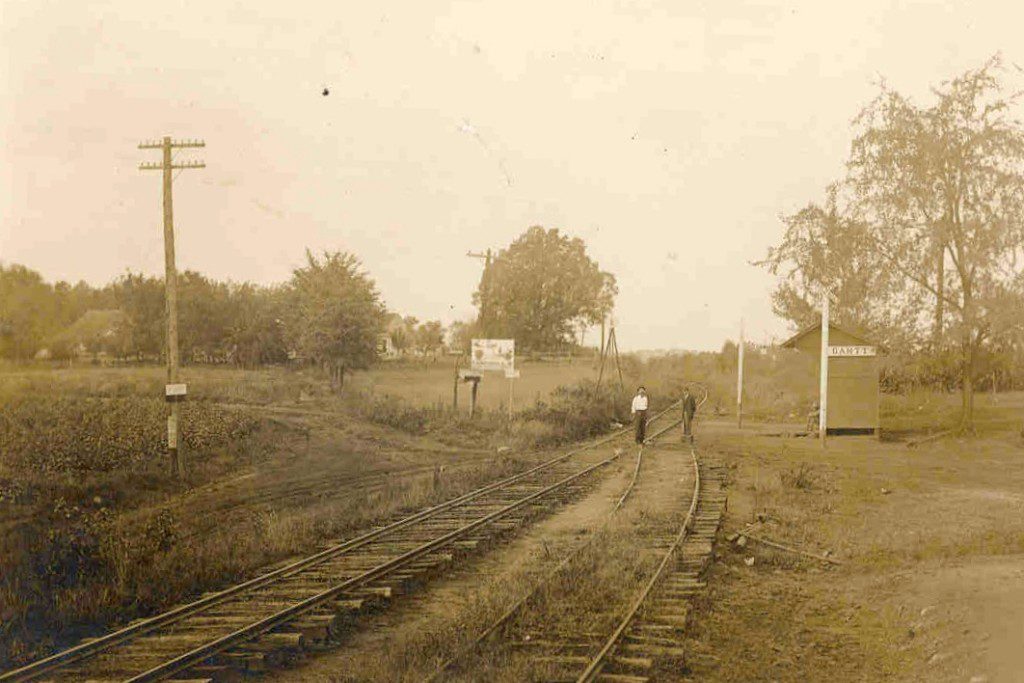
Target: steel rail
x,y
518,605
203,652
92,648
593,670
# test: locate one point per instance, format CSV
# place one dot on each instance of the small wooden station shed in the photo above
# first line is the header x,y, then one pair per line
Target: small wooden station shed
x,y
852,401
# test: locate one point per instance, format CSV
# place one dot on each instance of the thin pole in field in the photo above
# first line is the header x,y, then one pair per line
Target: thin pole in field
x,y
739,380
823,391
455,385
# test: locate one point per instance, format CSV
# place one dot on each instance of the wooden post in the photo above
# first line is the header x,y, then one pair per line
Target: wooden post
x,y
823,390
511,379
472,398
739,380
455,387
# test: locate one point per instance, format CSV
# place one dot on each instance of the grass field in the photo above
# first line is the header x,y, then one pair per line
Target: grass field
x,y
431,384
424,384
931,541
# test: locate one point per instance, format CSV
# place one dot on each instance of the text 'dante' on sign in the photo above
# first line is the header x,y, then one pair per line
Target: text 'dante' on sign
x,y
852,351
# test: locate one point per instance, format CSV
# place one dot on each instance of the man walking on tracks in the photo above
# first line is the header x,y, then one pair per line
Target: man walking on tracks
x,y
689,408
639,409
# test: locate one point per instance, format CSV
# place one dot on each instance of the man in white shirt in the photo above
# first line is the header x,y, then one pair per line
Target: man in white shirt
x,y
639,409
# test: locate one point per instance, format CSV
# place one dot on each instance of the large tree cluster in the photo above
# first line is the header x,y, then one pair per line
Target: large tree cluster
x,y
922,242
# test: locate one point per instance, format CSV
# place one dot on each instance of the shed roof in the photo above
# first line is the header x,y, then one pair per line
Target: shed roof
x,y
792,341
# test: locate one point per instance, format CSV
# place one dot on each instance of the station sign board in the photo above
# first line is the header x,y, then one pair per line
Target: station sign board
x,y
852,351
493,355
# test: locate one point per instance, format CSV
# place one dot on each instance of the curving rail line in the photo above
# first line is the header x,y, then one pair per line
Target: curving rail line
x,y
517,607
676,580
227,627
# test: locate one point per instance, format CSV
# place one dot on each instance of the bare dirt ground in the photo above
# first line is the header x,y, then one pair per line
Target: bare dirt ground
x,y
932,545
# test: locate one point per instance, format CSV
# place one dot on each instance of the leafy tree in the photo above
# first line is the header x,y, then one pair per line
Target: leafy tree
x,y
333,313
204,316
541,288
255,331
429,336
825,249
942,191
461,334
926,233
28,312
141,298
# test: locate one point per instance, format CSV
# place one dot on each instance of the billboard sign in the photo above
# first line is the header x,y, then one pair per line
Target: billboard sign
x,y
493,354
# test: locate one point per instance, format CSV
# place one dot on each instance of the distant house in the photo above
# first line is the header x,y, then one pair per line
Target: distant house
x,y
399,335
385,346
99,333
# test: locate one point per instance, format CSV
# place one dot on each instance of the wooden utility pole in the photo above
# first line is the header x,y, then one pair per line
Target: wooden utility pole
x,y
823,390
174,392
484,299
739,380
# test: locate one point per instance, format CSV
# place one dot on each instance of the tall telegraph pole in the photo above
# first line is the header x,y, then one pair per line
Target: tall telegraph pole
x,y
174,391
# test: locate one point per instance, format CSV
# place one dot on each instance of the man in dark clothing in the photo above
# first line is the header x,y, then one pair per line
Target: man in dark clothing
x,y
639,409
689,408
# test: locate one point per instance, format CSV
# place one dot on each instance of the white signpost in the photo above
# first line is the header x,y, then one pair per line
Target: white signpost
x,y
823,390
511,375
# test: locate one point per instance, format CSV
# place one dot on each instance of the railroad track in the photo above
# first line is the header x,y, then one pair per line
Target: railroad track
x,y
520,604
647,633
644,642
265,620
647,637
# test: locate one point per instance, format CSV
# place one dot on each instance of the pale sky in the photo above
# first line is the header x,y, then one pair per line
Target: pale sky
x,y
668,135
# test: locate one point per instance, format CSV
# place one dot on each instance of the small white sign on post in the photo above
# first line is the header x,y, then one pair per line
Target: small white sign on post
x,y
175,392
852,351
511,374
493,355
